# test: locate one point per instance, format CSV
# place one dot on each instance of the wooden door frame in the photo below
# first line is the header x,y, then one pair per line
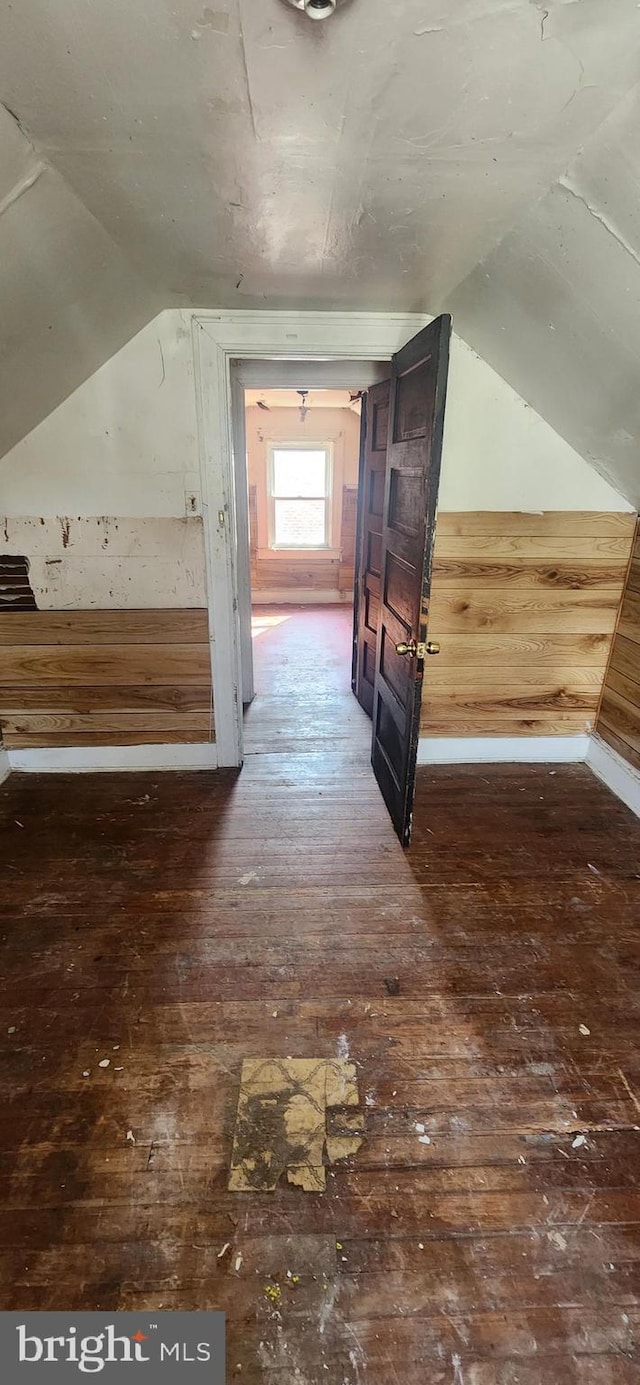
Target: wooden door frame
x,y
220,339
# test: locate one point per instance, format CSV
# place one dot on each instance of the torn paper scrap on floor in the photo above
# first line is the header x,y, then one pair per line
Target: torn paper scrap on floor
x,y
293,1113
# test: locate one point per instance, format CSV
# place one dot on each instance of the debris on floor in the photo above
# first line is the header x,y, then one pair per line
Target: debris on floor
x,y
290,1112
247,878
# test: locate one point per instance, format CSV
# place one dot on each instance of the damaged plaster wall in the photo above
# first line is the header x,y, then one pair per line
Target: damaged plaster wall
x,y
78,562
97,495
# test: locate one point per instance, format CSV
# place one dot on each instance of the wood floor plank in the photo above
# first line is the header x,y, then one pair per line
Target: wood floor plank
x,y
486,985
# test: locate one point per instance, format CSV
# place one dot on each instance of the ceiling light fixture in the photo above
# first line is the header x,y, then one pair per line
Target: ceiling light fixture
x,y
316,9
304,407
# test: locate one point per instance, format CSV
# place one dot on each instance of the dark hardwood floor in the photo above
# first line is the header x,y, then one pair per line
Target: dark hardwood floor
x,y
488,1230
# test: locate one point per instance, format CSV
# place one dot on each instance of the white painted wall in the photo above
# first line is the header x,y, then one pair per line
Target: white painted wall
x,y
96,495
124,443
499,454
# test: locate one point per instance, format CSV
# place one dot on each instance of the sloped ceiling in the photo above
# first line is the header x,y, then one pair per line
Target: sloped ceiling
x,y
68,296
556,306
474,155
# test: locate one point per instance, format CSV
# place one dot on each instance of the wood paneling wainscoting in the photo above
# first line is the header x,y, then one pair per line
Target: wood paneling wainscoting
x,y
347,569
84,678
619,716
524,607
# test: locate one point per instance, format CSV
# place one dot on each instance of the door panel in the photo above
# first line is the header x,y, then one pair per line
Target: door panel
x,y
414,449
371,488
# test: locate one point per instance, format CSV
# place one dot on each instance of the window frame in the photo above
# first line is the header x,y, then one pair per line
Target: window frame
x,y
301,445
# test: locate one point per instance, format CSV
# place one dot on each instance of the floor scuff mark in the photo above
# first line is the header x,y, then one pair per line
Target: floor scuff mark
x,y
629,1090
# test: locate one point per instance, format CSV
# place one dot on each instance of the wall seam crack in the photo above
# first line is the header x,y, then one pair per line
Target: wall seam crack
x,y
601,218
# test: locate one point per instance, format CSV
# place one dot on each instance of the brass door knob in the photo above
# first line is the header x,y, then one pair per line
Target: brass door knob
x,y
418,649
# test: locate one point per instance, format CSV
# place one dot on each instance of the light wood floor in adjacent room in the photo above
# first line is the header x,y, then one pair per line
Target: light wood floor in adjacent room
x,y
487,1232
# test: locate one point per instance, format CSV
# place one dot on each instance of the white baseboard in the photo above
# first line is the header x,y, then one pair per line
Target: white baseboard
x,y
5,767
623,779
96,759
460,750
306,596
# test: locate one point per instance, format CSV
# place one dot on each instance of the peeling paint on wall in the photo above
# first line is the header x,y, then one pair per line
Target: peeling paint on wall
x,y
15,588
96,495
106,562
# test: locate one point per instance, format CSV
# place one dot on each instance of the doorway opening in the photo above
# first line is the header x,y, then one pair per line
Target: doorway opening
x,y
303,450
297,499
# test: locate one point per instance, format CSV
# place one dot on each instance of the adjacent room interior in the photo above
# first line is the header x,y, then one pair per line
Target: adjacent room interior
x,y
303,457
320,682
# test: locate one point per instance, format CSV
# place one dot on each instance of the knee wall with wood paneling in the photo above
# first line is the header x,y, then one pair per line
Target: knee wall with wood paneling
x,y
619,715
524,607
84,678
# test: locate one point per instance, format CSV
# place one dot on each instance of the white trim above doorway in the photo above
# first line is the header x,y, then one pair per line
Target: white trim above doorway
x,y
220,339
316,375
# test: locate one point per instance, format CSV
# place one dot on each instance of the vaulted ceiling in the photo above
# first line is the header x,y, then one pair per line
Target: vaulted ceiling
x,y
480,156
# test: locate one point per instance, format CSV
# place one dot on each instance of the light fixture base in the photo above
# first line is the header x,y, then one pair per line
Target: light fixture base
x,y
316,9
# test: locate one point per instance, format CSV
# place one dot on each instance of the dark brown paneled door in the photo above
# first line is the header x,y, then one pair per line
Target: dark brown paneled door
x,y
373,462
414,449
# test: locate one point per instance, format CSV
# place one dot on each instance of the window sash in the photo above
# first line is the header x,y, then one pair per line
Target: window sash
x,y
327,498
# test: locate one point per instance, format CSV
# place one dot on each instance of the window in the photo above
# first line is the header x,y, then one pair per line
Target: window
x,y
299,496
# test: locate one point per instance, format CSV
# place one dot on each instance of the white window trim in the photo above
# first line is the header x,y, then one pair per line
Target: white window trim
x,y
220,338
302,550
